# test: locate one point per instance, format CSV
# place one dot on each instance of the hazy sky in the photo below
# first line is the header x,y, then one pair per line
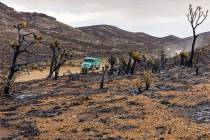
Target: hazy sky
x,y
155,17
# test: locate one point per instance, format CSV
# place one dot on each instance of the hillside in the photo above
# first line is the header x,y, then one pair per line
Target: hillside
x,y
143,40
96,40
48,27
81,43
121,37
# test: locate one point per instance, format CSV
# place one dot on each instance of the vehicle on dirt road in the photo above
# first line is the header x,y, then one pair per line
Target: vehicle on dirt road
x,y
90,63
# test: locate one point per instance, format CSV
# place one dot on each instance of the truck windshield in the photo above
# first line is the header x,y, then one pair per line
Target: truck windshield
x,y
89,60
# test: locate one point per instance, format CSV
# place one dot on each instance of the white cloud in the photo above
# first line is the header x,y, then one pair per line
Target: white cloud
x,y
65,17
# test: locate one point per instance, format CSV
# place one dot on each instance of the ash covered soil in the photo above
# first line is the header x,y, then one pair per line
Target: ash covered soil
x,y
177,106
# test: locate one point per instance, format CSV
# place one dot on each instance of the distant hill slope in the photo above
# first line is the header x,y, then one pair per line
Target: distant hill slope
x,y
97,40
143,40
48,27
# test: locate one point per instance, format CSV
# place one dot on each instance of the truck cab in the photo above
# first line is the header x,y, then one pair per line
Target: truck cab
x,y
90,63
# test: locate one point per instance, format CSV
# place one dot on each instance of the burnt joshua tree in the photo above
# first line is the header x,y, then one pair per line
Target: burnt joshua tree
x,y
20,47
112,61
183,58
196,18
122,64
136,56
163,59
129,64
59,57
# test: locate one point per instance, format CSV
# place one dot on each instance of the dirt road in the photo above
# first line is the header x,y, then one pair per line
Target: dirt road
x,y
35,75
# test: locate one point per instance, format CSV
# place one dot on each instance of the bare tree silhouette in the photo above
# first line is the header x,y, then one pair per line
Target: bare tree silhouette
x,y
196,18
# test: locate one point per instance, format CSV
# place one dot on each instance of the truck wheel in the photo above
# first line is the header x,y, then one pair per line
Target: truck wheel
x,y
97,68
84,71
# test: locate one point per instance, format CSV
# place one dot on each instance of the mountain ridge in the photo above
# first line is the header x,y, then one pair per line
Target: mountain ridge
x,y
167,42
96,40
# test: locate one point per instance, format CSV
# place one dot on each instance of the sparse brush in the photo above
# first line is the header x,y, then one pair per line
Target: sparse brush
x,y
140,86
72,77
148,79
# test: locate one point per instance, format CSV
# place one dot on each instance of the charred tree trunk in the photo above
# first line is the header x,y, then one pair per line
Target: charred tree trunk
x,y
7,87
51,70
182,61
111,70
133,67
197,70
129,65
190,62
119,70
102,80
53,61
12,72
56,74
57,69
